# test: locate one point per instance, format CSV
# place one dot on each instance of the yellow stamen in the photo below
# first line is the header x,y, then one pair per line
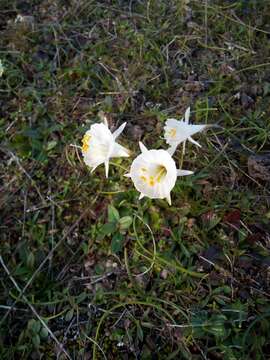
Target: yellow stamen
x,y
161,174
85,142
172,133
151,180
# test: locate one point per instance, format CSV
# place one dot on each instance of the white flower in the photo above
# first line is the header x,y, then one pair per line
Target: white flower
x,y
178,131
154,173
98,146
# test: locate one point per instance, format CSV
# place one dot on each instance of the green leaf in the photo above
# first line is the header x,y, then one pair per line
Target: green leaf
x,y
51,144
34,325
44,333
117,243
125,222
85,248
113,214
198,320
36,340
69,315
30,261
31,324
37,326
139,331
216,325
81,298
22,145
222,289
106,229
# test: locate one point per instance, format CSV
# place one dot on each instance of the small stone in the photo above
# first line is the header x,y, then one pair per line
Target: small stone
x,y
246,101
164,274
259,166
136,132
25,22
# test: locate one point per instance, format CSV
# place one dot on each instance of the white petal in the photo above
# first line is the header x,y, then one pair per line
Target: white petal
x,y
128,175
142,147
178,131
171,123
184,172
93,169
187,114
168,198
194,129
107,168
103,118
153,173
171,149
193,141
119,131
119,151
105,121
92,162
101,132
99,146
141,196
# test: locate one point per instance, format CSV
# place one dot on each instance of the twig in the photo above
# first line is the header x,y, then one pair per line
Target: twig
x,y
14,309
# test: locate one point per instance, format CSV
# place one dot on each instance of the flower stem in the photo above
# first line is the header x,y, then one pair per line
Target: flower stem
x,y
182,155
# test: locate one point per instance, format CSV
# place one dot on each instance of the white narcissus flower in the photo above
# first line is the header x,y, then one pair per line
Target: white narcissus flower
x,y
98,146
178,131
154,173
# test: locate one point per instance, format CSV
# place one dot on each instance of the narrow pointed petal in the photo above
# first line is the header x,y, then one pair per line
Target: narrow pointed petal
x,y
93,169
127,175
168,198
142,147
187,114
105,121
103,118
193,141
184,172
171,149
107,168
119,151
119,130
141,196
